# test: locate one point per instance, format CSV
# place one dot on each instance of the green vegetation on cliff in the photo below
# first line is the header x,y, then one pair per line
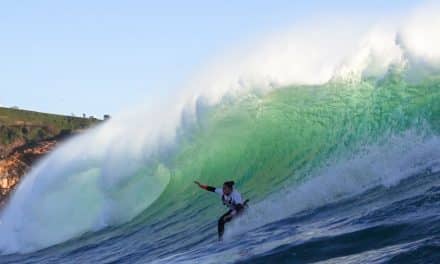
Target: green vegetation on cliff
x,y
19,127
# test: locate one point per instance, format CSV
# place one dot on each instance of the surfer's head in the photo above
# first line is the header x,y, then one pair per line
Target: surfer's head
x,y
228,187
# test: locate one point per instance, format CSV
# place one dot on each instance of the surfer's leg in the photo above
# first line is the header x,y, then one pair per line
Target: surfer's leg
x,y
222,221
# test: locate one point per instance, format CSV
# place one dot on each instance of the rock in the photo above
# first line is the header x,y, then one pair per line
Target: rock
x,y
18,163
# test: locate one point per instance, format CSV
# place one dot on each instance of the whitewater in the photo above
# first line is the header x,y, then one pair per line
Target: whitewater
x,y
331,129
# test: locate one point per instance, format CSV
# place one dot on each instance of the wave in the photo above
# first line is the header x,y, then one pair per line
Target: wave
x,y
311,116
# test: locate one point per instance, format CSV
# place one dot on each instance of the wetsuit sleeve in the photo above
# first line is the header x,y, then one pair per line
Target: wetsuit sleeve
x,y
208,188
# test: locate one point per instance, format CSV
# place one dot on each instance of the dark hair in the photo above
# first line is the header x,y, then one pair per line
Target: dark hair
x,y
230,184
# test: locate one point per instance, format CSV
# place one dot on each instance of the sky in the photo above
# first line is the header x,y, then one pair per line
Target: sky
x,y
101,57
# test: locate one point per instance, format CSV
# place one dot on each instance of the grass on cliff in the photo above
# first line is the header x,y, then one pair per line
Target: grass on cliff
x,y
29,126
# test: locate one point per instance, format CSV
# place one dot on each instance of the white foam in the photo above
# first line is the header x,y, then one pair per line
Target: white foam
x,y
421,33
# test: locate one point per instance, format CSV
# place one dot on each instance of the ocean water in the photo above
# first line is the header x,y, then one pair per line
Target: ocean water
x,y
340,160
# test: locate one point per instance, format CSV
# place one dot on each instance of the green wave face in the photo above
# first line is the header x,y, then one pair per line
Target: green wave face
x,y
269,141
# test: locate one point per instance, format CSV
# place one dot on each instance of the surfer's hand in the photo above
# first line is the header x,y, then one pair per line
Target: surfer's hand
x,y
198,183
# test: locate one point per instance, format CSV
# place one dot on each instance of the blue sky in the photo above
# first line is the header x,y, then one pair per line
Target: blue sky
x,y
98,57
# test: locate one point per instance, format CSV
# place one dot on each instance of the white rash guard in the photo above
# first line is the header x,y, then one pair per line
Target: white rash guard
x,y
231,200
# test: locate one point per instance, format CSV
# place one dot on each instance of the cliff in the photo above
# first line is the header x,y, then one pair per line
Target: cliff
x,y
15,166
25,137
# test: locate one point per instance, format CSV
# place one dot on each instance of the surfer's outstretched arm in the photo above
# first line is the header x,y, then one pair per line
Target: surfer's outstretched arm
x,y
205,187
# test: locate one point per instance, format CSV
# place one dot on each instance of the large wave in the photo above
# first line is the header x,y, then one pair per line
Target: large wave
x,y
312,113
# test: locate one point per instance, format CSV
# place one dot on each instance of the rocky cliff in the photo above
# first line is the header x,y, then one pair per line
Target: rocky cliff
x,y
25,137
18,163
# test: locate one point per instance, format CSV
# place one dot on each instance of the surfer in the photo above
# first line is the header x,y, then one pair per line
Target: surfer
x,y
230,198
